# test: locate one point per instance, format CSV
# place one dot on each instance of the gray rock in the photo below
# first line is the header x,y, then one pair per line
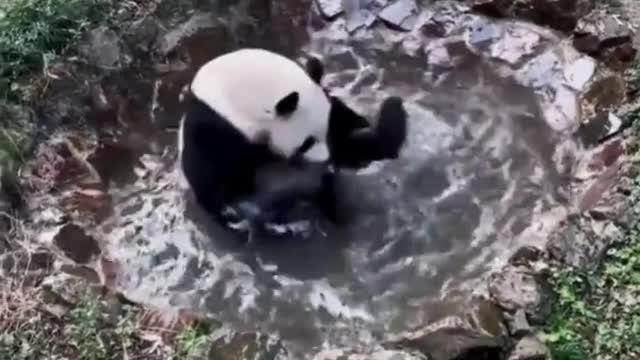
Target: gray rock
x,y
360,18
245,346
454,343
401,14
526,255
29,268
446,18
519,325
142,34
101,47
65,289
491,7
169,41
514,288
577,245
558,14
76,244
485,316
346,354
330,8
529,348
600,29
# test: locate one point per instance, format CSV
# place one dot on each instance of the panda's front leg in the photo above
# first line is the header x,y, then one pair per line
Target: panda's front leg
x,y
282,188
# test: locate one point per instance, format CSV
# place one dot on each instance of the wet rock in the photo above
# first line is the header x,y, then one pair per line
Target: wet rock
x,y
578,73
519,325
515,288
559,14
111,158
289,24
455,343
606,155
330,8
598,128
166,324
47,166
560,108
89,204
445,18
481,34
605,93
142,35
65,106
526,255
600,30
169,42
65,289
515,44
485,316
102,48
76,244
109,272
246,346
597,190
344,354
529,348
15,262
491,7
29,268
400,14
84,272
11,197
577,245
359,13
619,58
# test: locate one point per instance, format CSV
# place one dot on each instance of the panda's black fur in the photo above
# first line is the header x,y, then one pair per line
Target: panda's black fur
x,y
220,163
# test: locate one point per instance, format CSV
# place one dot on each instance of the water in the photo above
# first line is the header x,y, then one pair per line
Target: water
x,y
482,174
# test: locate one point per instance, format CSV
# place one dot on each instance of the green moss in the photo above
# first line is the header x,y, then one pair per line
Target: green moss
x,y
597,315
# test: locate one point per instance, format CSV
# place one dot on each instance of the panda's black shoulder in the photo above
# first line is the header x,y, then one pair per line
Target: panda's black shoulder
x,y
205,126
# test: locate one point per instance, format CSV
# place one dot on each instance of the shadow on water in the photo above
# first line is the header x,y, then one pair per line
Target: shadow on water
x,y
478,167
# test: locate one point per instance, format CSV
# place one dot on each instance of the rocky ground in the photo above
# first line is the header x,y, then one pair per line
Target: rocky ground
x,y
68,118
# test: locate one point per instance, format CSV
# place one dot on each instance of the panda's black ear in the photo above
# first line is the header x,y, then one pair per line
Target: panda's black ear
x,y
287,104
315,69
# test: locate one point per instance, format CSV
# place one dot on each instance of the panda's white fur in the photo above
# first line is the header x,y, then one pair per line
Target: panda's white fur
x,y
245,85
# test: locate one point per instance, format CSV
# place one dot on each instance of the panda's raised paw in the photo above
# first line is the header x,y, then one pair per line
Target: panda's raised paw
x,y
392,125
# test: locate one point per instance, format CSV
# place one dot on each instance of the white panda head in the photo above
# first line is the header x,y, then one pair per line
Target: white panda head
x,y
267,96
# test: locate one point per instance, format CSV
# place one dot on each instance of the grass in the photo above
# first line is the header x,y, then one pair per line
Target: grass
x,y
86,332
34,32
597,315
189,340
28,332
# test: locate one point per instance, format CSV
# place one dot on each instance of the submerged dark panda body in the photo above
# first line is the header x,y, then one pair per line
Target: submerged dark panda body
x,y
245,117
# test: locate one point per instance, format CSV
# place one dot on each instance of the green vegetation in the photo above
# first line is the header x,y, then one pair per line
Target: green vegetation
x,y
597,315
33,32
190,340
27,332
87,332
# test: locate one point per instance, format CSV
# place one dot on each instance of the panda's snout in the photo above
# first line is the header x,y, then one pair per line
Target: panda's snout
x,y
318,152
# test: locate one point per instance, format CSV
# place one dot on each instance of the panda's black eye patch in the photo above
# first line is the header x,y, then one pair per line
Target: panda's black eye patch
x,y
287,104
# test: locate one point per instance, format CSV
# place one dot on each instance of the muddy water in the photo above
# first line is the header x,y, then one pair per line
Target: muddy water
x,y
479,177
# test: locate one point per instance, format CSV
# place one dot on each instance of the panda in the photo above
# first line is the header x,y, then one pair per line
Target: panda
x,y
253,108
